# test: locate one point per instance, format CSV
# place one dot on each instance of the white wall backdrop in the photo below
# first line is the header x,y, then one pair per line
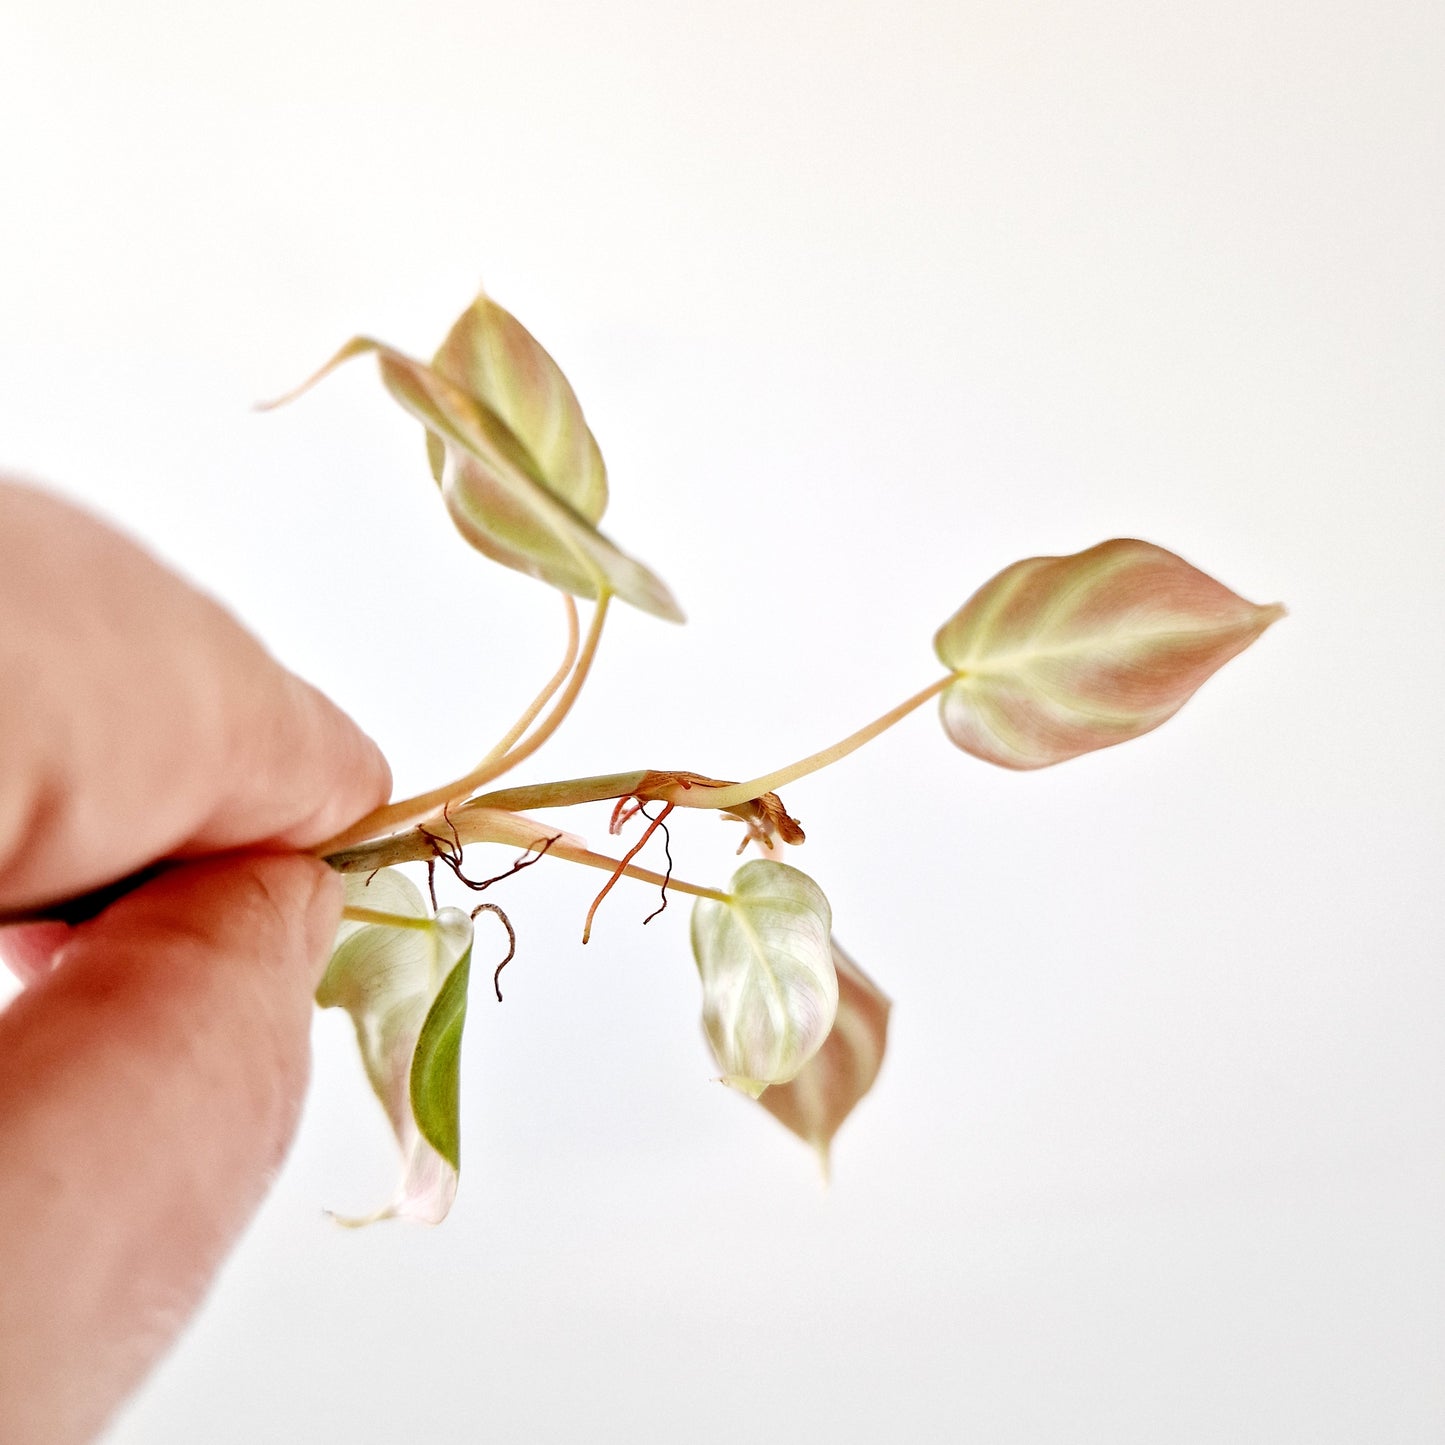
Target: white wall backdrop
x,y
864,302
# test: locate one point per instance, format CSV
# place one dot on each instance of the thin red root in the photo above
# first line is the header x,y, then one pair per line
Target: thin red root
x,y
623,813
617,872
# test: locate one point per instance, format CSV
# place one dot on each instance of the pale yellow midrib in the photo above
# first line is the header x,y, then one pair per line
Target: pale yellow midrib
x,y
1015,662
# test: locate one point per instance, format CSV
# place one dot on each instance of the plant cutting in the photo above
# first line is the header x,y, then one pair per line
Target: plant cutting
x,y
1051,658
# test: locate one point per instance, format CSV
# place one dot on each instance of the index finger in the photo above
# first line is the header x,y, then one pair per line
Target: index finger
x,y
139,720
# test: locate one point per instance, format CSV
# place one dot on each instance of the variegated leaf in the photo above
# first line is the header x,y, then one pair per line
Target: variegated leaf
x,y
494,358
497,492
503,504
770,993
405,989
816,1101
1058,656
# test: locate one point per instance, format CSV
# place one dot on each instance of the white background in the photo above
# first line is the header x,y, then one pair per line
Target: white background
x,y
864,303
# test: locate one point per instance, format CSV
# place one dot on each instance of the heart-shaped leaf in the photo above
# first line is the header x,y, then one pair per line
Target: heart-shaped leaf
x,y
816,1101
768,985
404,986
505,506
500,495
543,538
1058,656
494,358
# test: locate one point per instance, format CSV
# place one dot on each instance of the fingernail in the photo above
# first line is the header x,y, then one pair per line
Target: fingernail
x,y
30,950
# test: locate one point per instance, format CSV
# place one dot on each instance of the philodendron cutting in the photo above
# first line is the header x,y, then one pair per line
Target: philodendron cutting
x,y
1051,658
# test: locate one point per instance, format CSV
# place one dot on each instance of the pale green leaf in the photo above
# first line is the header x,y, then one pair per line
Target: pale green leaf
x,y
1058,656
436,1065
404,988
770,992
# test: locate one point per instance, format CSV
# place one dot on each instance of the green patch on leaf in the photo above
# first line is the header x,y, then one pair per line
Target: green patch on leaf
x,y
404,985
436,1065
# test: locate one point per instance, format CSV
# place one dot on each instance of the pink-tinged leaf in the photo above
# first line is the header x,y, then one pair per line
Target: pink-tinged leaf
x,y
502,504
546,542
1058,656
494,358
405,989
497,491
825,1091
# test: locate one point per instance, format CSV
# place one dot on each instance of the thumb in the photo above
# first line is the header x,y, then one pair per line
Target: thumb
x,y
149,1088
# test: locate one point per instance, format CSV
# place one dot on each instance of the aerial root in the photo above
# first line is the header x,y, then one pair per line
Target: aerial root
x,y
449,851
666,848
652,826
511,942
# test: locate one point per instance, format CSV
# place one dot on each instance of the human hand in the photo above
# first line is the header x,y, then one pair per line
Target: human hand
x,y
151,1072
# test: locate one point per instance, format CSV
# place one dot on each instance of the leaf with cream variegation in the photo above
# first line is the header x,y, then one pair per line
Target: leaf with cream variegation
x,y
497,361
770,992
528,499
405,989
1058,656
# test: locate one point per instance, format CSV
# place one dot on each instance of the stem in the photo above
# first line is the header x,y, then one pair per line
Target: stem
x,y
543,697
585,856
564,703
564,794
488,825
387,920
392,817
730,797
467,825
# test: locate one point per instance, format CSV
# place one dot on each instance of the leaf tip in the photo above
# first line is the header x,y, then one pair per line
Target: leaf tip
x,y
353,1222
355,347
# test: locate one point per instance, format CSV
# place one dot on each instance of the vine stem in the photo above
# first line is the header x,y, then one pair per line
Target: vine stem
x,y
492,825
545,696
554,719
482,825
393,817
586,856
569,792
736,793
